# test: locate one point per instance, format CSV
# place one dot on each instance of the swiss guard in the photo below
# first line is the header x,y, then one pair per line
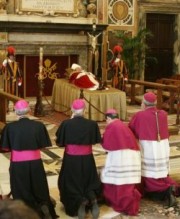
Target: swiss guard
x,y
11,72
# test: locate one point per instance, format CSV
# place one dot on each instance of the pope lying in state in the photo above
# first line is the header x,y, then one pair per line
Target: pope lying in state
x,y
82,78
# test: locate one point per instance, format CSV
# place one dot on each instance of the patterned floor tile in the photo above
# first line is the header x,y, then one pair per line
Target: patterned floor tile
x,y
52,160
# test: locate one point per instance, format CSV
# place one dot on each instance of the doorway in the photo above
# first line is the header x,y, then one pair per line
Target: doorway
x,y
160,45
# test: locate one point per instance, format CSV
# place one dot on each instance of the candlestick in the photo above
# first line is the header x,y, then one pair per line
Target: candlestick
x,y
39,109
40,63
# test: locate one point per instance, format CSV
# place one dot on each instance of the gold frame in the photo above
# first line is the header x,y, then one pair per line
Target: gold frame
x,y
48,8
120,10
3,37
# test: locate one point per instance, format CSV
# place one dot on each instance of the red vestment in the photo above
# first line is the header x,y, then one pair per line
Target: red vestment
x,y
122,169
154,153
84,80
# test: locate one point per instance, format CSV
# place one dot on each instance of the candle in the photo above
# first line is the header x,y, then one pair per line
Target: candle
x,y
40,63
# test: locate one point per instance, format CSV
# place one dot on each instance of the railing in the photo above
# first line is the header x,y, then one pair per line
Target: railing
x,y
172,89
4,98
168,81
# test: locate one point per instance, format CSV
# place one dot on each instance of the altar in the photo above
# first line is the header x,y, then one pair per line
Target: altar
x,y
97,102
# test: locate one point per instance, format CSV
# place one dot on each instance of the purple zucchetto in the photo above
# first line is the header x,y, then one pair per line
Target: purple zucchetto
x,y
21,105
112,113
150,98
78,104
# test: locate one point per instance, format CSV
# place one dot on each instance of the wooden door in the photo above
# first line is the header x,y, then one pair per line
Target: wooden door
x,y
161,46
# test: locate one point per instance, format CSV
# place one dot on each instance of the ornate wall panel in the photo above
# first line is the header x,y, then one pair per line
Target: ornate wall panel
x,y
120,12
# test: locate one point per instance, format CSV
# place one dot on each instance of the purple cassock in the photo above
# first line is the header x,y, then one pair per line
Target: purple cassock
x,y
122,170
150,127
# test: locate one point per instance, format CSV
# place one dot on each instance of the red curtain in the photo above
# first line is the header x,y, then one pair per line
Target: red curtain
x,y
54,66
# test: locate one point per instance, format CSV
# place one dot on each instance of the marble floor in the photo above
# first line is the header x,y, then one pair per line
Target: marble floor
x,y
52,158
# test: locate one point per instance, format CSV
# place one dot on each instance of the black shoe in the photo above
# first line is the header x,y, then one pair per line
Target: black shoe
x,y
171,198
53,201
82,211
95,210
45,211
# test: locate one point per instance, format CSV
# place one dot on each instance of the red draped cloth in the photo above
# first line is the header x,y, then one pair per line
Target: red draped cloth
x,y
83,81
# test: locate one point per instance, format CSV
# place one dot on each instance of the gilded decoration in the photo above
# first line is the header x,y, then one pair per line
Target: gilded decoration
x,y
52,8
48,71
120,12
3,37
3,4
91,8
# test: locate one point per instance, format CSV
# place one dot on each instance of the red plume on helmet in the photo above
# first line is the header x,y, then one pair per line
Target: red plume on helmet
x,y
117,49
11,50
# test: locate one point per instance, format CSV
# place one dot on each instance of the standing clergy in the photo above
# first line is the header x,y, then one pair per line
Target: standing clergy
x,y
122,170
24,138
150,127
78,182
12,74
